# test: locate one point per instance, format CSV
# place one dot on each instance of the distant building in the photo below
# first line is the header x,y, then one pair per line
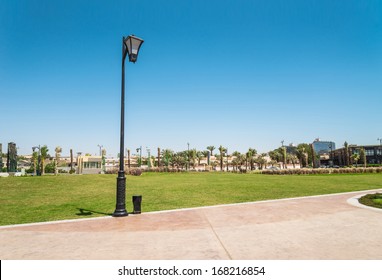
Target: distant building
x,y
88,164
373,154
323,147
323,152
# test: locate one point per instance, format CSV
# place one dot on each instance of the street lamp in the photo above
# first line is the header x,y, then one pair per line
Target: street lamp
x,y
148,158
100,149
130,46
140,155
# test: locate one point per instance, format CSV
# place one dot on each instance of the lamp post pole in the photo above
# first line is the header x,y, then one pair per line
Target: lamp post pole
x,y
148,158
380,149
140,155
130,46
120,209
100,149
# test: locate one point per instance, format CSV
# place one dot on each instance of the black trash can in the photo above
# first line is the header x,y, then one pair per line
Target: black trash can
x,y
137,201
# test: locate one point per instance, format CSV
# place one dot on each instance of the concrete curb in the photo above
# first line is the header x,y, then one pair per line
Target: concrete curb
x,y
354,202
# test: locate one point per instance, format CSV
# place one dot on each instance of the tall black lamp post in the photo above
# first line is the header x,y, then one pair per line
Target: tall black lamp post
x,y
130,47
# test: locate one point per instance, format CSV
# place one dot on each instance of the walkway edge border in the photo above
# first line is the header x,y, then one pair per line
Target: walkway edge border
x,y
262,201
354,202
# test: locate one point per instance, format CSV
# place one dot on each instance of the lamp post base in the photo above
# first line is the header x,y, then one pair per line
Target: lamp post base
x,y
120,213
120,208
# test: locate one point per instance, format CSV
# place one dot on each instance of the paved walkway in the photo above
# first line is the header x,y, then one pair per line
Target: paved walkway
x,y
320,227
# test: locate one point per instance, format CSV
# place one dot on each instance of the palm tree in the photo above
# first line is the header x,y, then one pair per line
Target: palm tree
x,y
236,161
275,155
58,152
199,156
261,161
250,154
284,153
302,155
44,154
355,157
34,162
362,155
242,159
205,153
159,164
192,157
222,150
347,160
211,149
71,162
292,158
227,157
128,158
167,155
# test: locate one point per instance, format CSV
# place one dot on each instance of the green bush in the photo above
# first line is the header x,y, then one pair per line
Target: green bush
x,y
306,171
373,200
135,172
49,168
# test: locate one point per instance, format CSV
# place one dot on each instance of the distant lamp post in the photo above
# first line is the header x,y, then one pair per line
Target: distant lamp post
x,y
148,158
380,141
100,149
140,155
130,47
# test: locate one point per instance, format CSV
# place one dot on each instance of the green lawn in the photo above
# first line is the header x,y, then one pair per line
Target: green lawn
x,y
36,199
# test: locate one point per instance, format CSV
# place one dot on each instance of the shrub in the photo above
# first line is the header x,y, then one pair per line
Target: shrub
x,y
305,171
373,200
135,172
111,171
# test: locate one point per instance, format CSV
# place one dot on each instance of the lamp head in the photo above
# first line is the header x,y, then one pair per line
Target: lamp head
x,y
132,45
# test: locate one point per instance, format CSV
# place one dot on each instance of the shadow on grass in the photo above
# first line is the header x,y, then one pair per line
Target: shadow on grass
x,y
87,212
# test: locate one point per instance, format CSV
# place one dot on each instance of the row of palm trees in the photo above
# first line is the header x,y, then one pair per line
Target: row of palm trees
x,y
303,155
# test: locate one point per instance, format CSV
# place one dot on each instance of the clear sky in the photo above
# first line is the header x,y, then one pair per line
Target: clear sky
x,y
234,73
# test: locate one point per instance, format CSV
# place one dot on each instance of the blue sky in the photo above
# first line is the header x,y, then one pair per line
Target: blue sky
x,y
234,73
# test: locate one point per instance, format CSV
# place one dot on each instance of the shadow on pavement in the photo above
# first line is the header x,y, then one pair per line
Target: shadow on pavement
x,y
87,212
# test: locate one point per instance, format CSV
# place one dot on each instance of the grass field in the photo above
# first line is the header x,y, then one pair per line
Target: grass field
x,y
48,198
